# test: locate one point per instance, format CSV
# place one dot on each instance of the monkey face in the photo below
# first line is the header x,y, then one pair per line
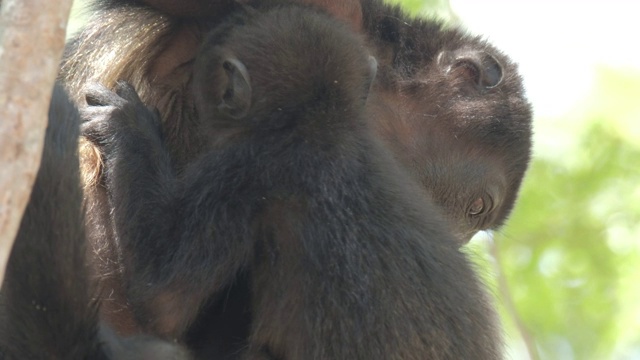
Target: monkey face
x,y
462,127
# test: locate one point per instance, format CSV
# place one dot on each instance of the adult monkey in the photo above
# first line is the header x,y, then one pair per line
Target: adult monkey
x,y
449,105
453,110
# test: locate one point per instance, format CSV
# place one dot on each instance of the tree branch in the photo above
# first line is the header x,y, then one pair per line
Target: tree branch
x,y
32,35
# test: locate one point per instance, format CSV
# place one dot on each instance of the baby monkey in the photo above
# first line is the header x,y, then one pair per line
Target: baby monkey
x,y
293,196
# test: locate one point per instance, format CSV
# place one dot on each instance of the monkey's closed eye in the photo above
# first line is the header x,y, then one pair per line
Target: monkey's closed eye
x,y
476,207
480,206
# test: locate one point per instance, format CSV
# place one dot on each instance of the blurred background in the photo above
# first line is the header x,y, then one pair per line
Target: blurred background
x,y
566,268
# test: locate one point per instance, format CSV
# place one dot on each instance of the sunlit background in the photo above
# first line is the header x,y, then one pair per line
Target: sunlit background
x,y
566,268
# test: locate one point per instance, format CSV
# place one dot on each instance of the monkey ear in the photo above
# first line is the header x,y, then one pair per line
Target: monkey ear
x,y
481,68
373,71
235,99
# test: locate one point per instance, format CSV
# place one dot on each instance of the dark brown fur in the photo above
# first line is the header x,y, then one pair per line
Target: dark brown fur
x,y
461,141
294,198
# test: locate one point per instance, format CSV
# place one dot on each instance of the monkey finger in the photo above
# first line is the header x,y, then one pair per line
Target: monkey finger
x,y
148,115
99,95
95,124
96,113
127,92
149,118
90,132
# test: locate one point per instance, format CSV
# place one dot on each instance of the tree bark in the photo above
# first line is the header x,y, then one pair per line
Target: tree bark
x,y
32,35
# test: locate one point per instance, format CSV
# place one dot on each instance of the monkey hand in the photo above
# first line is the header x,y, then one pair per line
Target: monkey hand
x,y
127,133
117,119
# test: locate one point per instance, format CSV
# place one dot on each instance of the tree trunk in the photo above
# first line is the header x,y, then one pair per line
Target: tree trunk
x,y
32,35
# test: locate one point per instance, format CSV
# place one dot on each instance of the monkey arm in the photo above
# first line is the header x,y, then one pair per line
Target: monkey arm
x,y
175,256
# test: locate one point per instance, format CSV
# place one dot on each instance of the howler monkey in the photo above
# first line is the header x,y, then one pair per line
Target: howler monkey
x,y
466,140
452,109
47,306
293,194
449,105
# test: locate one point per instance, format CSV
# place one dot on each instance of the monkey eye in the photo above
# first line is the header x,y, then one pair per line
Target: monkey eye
x,y
480,206
476,207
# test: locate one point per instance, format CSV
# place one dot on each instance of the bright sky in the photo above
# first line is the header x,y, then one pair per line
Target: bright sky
x,y
558,44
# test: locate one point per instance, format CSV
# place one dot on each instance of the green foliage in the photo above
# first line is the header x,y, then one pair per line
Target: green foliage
x,y
571,251
430,8
417,6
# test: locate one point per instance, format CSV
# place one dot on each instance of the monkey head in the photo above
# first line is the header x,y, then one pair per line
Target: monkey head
x,y
453,110
251,71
